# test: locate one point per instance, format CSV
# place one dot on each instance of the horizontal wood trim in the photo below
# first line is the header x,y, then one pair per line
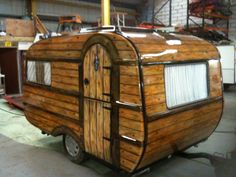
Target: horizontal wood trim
x,y
133,99
65,86
59,46
182,116
158,48
46,59
65,80
135,125
153,70
128,165
130,114
67,39
123,45
154,89
155,99
156,108
52,108
131,133
129,156
51,94
131,148
53,54
184,108
49,121
129,89
65,65
129,70
160,136
183,56
52,101
165,149
154,79
131,55
129,80
65,72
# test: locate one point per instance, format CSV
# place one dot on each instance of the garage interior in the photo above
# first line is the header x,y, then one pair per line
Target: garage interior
x,y
25,151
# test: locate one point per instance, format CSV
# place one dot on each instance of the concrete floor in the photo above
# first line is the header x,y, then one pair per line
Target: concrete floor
x,y
24,151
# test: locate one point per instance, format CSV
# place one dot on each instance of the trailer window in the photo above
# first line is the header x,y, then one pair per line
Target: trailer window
x,y
185,83
39,72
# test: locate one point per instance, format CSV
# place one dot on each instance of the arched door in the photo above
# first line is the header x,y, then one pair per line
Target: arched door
x,y
97,102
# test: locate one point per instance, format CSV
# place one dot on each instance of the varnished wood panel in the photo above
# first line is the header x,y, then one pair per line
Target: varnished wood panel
x,y
166,133
175,132
59,46
66,39
174,55
129,155
65,65
66,80
131,133
154,89
57,103
129,79
65,76
129,85
130,114
65,72
132,124
153,70
133,99
46,104
187,138
183,116
49,122
155,48
158,48
65,86
54,54
51,94
129,70
215,78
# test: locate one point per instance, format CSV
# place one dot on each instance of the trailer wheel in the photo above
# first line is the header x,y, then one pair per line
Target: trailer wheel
x,y
73,150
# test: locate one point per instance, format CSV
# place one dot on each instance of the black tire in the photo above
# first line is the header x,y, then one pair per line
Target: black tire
x,y
73,149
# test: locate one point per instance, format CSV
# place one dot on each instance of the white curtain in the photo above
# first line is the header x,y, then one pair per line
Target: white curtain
x,y
47,73
31,71
185,83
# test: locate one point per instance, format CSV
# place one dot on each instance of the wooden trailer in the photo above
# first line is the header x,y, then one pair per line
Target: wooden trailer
x,y
129,97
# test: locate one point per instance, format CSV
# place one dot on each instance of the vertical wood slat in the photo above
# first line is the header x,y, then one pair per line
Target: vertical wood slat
x,y
93,109
215,78
86,74
99,95
106,112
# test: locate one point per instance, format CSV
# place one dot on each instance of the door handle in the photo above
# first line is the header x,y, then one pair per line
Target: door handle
x,y
86,81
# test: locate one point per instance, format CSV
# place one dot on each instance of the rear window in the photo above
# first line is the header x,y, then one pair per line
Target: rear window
x,y
185,83
39,72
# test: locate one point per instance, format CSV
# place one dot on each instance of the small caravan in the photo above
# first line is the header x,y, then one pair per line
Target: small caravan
x,y
127,96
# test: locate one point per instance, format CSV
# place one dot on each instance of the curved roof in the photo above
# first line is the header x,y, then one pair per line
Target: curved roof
x,y
150,47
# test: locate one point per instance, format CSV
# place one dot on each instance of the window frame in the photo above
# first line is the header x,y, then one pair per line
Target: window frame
x,y
207,84
37,83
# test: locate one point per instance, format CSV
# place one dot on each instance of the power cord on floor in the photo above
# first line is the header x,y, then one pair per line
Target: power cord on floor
x,y
12,112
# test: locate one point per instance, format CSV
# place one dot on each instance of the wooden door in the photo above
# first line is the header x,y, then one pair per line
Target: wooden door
x,y
97,107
